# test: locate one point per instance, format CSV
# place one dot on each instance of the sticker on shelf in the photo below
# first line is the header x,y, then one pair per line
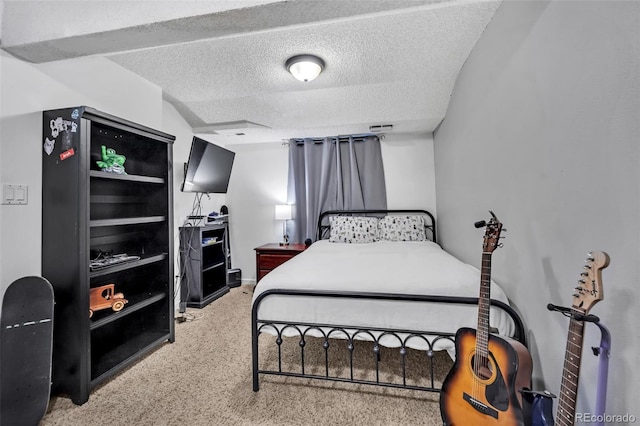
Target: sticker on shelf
x,y
49,145
68,153
58,125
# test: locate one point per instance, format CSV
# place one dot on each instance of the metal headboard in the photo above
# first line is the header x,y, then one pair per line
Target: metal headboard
x,y
324,227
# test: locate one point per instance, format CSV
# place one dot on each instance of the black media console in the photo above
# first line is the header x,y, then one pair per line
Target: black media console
x,y
205,258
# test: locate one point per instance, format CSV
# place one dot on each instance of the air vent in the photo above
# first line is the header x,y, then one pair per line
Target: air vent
x,y
381,128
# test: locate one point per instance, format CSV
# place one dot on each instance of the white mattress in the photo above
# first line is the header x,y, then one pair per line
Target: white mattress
x,y
382,267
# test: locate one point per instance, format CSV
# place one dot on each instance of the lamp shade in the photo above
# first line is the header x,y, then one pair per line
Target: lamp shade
x,y
283,211
305,67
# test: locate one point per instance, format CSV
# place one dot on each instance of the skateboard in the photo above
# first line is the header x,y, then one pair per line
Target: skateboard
x,y
26,341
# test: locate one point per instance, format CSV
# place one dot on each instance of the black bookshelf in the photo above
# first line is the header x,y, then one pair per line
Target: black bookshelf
x,y
87,213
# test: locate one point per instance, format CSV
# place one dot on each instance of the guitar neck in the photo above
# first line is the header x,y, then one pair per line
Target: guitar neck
x,y
565,415
484,303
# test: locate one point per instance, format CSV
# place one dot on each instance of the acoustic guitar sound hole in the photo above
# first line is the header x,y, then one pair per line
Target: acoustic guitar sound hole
x,y
482,367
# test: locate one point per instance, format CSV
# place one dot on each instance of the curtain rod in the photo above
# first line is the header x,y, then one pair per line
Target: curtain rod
x,y
341,138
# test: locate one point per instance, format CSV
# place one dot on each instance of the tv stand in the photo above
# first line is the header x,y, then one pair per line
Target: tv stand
x,y
204,260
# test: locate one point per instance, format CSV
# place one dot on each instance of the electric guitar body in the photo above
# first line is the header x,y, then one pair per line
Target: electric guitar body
x,y
483,387
490,395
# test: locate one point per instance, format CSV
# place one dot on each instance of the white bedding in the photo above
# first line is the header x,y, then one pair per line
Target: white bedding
x,y
382,267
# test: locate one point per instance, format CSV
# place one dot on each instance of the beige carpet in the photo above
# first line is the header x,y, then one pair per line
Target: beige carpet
x,y
204,378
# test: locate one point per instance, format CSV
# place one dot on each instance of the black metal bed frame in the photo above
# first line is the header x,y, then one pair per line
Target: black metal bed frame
x,y
352,332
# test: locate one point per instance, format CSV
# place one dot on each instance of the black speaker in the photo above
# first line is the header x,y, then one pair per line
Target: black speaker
x,y
234,277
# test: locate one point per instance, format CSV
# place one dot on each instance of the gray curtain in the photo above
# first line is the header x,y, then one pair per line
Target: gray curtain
x,y
333,173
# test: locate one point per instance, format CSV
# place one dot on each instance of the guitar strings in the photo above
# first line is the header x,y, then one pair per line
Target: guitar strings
x,y
480,360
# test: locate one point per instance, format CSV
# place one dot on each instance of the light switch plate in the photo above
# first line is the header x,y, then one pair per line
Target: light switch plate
x,y
15,194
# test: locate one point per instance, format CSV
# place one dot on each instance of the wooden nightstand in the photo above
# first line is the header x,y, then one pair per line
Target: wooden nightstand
x,y
271,255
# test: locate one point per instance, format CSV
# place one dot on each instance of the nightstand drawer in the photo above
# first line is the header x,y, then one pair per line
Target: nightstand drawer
x,y
270,261
270,256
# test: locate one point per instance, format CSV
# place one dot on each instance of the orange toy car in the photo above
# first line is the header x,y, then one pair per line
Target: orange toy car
x,y
105,297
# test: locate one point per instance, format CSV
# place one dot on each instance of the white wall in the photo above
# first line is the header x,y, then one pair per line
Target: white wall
x,y
409,171
1,17
107,87
259,182
25,91
543,129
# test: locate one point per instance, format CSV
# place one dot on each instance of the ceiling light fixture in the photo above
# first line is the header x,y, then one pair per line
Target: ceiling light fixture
x,y
304,67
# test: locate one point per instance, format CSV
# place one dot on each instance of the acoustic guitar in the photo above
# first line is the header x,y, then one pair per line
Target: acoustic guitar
x,y
483,386
587,293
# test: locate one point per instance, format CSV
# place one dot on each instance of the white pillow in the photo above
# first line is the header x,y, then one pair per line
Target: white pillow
x,y
401,228
353,229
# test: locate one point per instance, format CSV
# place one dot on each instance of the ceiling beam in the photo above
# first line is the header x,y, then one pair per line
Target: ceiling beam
x,y
55,43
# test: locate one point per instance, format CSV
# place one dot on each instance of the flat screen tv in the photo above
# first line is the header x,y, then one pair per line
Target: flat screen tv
x,y
208,168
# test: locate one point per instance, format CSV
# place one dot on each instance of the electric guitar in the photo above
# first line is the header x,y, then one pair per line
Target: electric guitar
x,y
483,386
587,293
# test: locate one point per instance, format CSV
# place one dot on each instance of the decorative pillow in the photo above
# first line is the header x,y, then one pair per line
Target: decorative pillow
x,y
401,228
353,229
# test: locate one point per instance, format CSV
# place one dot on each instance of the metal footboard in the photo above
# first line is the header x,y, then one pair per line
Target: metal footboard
x,y
351,333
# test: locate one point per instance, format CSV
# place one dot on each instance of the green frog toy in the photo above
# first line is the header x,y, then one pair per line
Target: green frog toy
x,y
112,162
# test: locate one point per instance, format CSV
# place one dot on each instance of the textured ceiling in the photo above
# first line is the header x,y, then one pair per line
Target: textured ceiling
x,y
387,62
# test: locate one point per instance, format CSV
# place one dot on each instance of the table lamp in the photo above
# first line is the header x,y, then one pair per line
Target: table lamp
x,y
283,212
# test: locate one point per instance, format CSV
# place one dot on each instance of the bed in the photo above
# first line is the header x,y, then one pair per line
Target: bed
x,y
378,276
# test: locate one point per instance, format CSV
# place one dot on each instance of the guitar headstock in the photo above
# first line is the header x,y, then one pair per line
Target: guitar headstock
x,y
491,234
589,289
